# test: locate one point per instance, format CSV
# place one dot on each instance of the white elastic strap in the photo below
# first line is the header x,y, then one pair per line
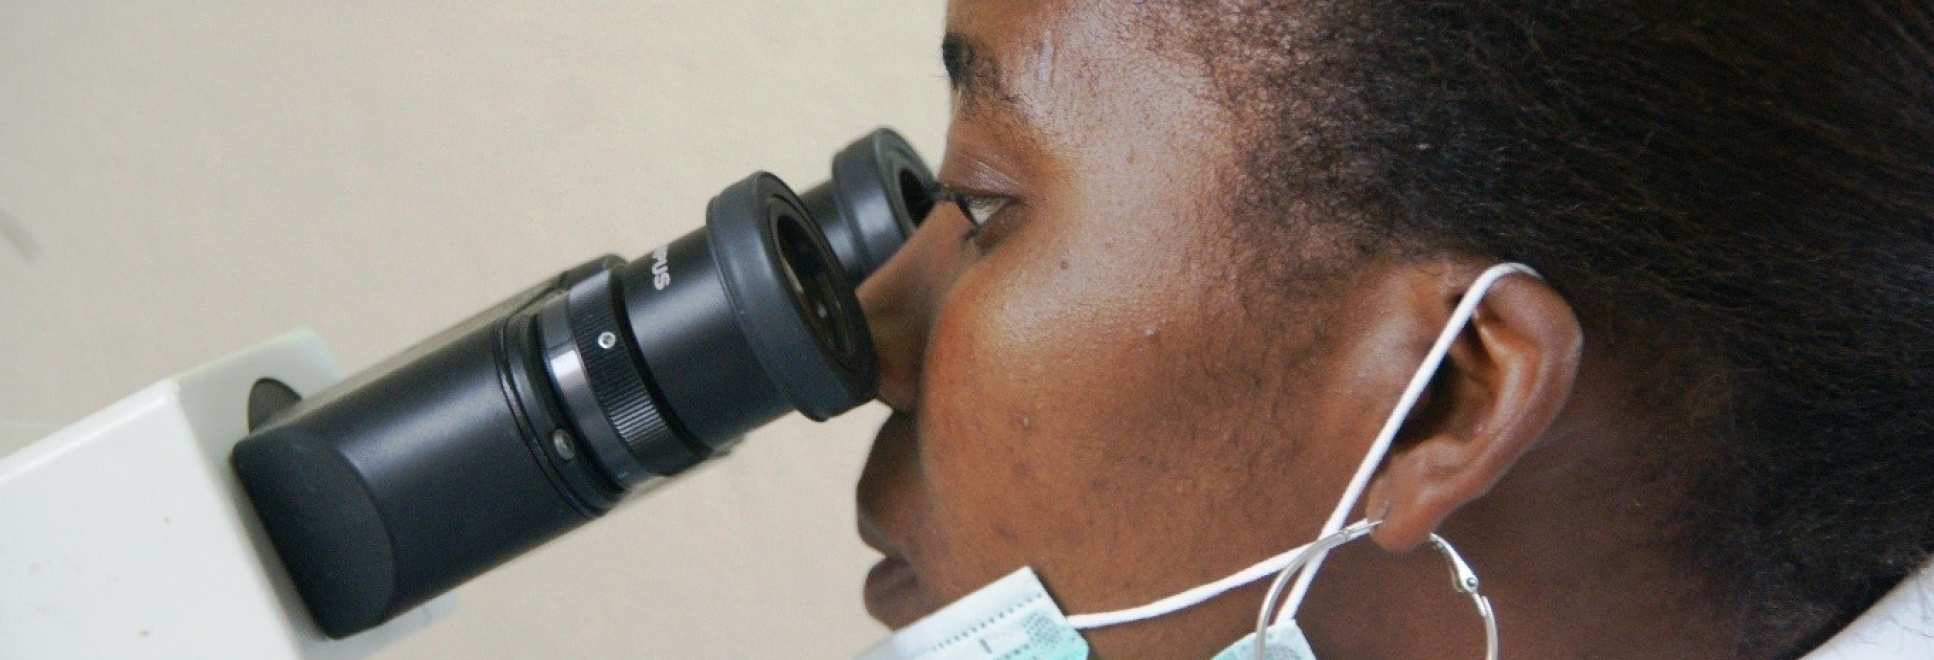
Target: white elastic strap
x,y
1263,569
1381,446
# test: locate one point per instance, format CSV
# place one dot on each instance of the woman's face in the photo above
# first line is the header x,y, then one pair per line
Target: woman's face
x,y
1083,384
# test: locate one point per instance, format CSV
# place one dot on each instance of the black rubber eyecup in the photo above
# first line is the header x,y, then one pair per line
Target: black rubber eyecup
x,y
883,167
796,308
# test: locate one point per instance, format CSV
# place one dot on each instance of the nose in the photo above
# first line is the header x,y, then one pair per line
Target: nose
x,y
902,299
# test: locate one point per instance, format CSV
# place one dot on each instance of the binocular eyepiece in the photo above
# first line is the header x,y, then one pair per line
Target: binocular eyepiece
x,y
546,410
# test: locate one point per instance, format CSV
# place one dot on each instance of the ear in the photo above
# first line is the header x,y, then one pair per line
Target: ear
x,y
1497,392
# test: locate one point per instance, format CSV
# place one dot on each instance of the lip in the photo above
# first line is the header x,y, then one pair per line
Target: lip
x,y
892,590
893,593
873,537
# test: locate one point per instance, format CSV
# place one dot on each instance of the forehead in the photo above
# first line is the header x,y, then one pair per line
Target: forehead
x,y
1060,64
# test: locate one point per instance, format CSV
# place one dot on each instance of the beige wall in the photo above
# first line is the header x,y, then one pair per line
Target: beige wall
x,y
179,180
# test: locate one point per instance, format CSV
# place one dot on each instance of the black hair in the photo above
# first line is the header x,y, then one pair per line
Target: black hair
x,y
1740,194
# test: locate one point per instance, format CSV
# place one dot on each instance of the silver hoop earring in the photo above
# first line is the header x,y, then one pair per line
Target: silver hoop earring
x,y
1463,579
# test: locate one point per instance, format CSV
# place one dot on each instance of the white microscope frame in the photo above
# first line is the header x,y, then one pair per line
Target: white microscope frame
x,y
127,535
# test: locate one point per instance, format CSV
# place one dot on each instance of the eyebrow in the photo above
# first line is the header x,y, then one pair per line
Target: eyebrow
x,y
972,75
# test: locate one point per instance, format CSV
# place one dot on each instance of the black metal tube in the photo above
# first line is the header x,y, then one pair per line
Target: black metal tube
x,y
398,485
543,412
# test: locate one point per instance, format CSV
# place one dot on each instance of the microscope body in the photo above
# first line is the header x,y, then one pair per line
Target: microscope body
x,y
127,535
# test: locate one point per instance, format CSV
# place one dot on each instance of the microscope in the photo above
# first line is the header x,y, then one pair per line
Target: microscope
x,y
263,506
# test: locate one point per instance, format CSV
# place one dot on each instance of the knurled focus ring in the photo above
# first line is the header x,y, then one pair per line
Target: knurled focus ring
x,y
615,378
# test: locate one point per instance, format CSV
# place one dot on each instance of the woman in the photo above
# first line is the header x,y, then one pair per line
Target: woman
x,y
1199,247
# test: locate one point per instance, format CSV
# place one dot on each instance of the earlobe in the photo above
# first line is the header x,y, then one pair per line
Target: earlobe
x,y
1496,394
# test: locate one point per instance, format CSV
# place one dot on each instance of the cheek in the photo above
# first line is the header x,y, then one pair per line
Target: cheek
x,y
1070,418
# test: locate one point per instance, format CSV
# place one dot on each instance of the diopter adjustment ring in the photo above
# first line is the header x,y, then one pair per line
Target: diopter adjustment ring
x,y
617,377
589,359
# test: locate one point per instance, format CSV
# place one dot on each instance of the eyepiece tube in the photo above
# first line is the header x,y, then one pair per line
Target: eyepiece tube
x,y
879,192
545,411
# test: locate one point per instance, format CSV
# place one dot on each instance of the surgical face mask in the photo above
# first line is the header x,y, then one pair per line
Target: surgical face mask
x,y
1015,618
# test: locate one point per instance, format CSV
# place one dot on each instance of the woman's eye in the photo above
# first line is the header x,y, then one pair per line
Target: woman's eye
x,y
983,210
978,209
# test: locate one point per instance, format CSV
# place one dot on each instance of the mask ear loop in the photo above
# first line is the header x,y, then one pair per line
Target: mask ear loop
x,y
1379,447
1463,579
1310,554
